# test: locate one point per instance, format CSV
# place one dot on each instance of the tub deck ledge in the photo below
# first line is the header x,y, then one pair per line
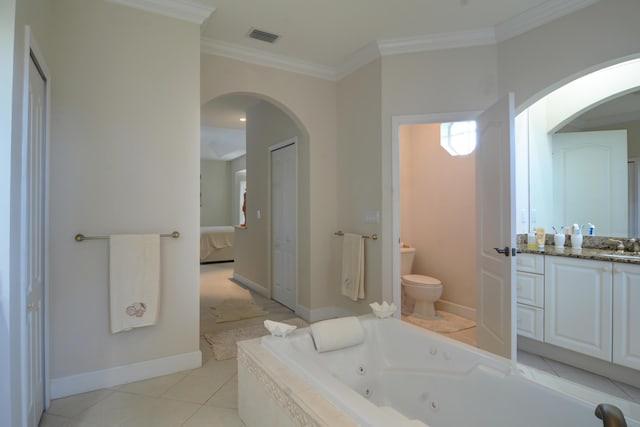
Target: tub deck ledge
x,y
270,394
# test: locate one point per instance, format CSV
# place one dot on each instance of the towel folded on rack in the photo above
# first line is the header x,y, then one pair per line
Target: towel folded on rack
x,y
353,266
334,334
134,280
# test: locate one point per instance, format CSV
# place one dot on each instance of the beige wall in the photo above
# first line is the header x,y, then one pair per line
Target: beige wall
x,y
437,211
535,63
267,125
452,81
359,179
216,184
311,102
124,159
7,404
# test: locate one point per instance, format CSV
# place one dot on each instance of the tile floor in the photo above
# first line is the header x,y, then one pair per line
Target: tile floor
x,y
207,396
577,375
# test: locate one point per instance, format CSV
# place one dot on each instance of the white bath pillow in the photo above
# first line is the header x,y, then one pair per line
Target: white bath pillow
x,y
334,334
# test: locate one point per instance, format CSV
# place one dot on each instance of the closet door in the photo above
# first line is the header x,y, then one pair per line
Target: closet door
x,y
284,223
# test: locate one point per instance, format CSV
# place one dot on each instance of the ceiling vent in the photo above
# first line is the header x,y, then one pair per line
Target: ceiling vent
x,y
263,35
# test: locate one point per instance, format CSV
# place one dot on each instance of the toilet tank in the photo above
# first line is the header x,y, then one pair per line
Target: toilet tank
x,y
406,260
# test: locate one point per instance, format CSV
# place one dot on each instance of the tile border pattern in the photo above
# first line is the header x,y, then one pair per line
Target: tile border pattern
x,y
281,397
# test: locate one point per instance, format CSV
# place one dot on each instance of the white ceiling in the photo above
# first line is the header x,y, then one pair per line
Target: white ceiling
x,y
329,32
222,134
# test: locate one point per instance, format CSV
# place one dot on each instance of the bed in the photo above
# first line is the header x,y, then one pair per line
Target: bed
x,y
216,244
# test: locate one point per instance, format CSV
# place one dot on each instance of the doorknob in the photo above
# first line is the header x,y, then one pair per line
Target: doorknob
x,y
504,251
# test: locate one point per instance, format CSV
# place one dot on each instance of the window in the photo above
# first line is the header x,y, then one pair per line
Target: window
x,y
458,138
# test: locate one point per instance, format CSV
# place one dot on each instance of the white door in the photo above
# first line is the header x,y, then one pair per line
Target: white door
x,y
495,199
283,223
33,247
590,180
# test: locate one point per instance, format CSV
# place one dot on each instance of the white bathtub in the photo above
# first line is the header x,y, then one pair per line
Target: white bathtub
x,y
404,373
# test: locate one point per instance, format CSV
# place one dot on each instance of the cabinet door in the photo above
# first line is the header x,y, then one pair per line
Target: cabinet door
x,y
578,301
626,315
530,322
530,289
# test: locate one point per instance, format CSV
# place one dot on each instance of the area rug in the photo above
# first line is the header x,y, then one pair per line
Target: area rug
x,y
223,343
447,323
236,309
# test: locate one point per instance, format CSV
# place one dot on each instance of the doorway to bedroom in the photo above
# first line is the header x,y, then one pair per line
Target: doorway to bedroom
x,y
249,147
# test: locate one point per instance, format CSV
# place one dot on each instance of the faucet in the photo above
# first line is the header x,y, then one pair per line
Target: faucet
x,y
620,246
610,415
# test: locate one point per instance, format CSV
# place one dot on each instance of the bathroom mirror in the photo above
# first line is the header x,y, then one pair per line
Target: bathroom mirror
x,y
586,171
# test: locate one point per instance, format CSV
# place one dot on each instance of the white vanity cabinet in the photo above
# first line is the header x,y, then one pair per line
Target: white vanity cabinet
x,y
626,315
578,305
530,295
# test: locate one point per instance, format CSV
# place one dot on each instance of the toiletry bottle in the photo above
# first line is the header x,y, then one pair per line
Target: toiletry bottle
x,y
531,240
592,229
540,237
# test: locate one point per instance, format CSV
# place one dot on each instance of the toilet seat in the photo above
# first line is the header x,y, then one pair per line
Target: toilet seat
x,y
420,280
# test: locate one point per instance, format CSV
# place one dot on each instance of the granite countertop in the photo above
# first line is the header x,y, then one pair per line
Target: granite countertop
x,y
584,253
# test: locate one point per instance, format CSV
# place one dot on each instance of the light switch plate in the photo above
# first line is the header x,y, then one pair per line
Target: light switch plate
x,y
372,217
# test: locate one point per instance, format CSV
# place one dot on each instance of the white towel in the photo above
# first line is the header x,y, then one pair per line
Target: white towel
x,y
334,334
134,280
353,266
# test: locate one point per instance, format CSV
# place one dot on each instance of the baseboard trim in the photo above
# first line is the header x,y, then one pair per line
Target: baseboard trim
x,y
304,312
256,287
110,377
460,310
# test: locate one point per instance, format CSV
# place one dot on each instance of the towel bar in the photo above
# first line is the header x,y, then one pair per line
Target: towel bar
x,y
82,237
372,237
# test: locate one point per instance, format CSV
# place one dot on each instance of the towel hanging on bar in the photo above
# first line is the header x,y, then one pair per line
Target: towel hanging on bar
x,y
352,284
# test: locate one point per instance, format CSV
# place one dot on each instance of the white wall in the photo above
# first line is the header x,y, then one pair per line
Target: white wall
x,y
125,159
438,212
216,184
312,104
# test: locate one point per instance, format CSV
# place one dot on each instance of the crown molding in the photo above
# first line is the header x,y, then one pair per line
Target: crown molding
x,y
362,57
180,9
440,41
258,57
537,17
520,24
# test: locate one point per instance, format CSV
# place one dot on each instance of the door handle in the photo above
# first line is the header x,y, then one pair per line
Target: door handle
x,y
504,251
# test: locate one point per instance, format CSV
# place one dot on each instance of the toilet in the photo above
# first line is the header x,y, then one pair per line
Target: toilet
x,y
425,290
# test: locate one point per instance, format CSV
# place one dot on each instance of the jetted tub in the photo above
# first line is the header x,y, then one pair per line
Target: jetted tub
x,y
403,375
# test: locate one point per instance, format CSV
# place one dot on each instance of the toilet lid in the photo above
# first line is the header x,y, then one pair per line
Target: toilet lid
x,y
419,279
